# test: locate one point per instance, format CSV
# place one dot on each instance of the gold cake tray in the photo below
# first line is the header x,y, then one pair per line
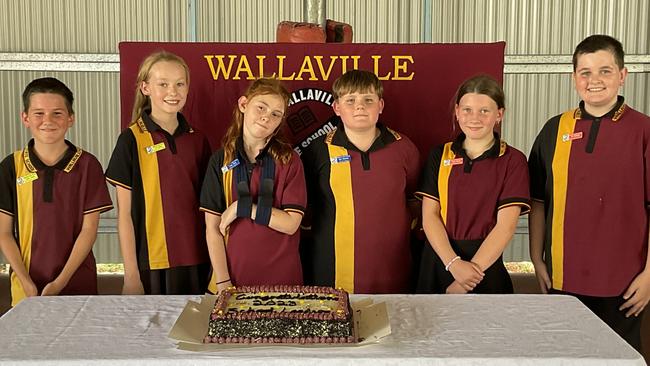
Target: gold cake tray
x,y
370,325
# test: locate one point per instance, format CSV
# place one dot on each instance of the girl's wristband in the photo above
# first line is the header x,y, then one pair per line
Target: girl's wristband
x,y
451,262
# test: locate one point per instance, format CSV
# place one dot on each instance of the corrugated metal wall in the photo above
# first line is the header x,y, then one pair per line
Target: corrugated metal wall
x,y
542,27
243,20
88,26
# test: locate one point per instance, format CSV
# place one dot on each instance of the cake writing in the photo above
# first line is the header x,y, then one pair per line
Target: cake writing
x,y
283,302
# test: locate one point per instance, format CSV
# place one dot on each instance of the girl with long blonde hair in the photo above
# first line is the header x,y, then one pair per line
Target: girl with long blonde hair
x,y
157,168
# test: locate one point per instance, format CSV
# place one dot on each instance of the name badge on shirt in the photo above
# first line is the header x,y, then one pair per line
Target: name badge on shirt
x,y
452,162
340,159
155,148
27,178
571,136
230,166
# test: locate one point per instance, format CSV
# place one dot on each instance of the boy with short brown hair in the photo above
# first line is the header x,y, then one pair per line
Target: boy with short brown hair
x,y
51,195
359,178
590,184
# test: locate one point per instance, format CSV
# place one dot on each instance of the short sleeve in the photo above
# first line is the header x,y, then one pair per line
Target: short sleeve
x,y
8,186
313,159
206,154
515,189
212,197
412,167
96,196
120,167
294,197
537,168
429,177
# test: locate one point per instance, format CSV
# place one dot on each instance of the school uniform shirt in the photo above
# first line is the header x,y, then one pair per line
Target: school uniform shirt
x,y
164,173
593,176
360,219
257,254
472,191
48,204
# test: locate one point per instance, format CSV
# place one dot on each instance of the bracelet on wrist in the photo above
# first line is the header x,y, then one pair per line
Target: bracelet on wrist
x,y
224,281
451,262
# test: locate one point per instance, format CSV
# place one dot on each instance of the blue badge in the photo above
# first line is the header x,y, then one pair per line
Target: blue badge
x,y
340,159
230,166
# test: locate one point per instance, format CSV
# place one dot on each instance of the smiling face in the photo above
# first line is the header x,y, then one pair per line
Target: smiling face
x,y
263,114
359,111
47,118
167,87
597,80
477,115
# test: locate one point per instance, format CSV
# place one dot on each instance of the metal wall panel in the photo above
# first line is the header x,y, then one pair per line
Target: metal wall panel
x,y
244,20
382,21
89,26
541,26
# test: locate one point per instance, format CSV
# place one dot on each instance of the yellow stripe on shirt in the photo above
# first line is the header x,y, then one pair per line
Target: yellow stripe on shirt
x,y
443,180
560,174
341,185
154,219
25,198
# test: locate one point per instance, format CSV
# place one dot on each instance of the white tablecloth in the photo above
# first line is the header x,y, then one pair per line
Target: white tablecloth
x,y
426,330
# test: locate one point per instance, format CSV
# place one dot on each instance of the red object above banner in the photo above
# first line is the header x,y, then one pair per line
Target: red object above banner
x,y
419,82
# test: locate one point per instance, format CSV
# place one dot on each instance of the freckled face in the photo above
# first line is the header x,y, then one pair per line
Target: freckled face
x,y
477,115
262,115
359,111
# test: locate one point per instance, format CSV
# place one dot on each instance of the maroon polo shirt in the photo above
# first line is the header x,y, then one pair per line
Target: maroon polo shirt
x,y
164,173
361,222
257,254
48,204
592,174
472,191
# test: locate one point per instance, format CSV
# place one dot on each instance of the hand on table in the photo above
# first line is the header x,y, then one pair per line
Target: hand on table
x,y
52,289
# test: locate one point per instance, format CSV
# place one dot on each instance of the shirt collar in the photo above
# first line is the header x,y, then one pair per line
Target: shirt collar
x,y
496,150
148,123
614,114
241,151
386,136
67,162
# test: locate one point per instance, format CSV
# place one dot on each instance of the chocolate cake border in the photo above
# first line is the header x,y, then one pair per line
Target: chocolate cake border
x,y
274,320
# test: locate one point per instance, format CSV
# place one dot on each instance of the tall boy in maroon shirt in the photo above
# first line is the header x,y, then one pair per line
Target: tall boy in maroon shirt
x,y
590,184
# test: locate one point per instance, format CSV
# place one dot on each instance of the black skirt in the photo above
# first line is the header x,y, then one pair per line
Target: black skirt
x,y
433,279
186,280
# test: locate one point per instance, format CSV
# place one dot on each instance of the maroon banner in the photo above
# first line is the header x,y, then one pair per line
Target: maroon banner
x,y
419,82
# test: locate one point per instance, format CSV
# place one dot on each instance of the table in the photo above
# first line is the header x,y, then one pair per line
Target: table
x,y
426,329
